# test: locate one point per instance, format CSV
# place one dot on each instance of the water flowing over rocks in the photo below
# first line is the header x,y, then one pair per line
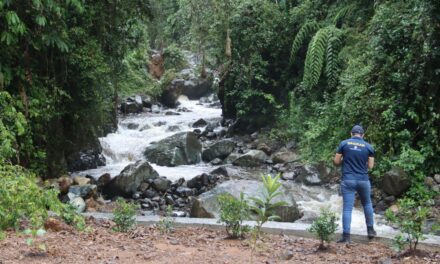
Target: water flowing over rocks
x,y
186,156
206,205
180,149
128,181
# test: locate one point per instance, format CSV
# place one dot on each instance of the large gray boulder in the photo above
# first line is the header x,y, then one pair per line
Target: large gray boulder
x,y
129,180
85,191
395,182
284,156
252,158
131,107
196,88
314,174
172,92
220,149
206,205
180,149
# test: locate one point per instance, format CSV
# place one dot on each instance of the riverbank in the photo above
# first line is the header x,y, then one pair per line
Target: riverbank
x,y
146,244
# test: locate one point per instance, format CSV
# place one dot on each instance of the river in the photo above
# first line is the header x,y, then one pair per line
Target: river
x,y
136,132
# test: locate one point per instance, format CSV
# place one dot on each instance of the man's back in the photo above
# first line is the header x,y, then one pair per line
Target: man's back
x,y
355,152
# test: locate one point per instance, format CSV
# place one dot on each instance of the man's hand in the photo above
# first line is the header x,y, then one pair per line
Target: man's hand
x,y
337,160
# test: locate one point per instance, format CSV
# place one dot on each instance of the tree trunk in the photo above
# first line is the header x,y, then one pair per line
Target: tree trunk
x,y
115,102
24,98
228,49
203,70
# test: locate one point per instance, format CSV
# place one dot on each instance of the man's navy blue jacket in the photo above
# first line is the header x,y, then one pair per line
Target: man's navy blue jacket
x,y
355,152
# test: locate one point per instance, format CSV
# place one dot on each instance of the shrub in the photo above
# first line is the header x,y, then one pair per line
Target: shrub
x,y
166,224
71,217
233,212
324,226
21,199
264,207
124,215
32,239
409,219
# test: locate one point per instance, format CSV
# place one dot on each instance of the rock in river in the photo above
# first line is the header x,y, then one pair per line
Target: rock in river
x,y
252,158
180,149
206,205
220,149
130,178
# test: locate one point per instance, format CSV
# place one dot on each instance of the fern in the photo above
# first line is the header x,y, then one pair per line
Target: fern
x,y
306,30
315,58
322,49
343,12
331,64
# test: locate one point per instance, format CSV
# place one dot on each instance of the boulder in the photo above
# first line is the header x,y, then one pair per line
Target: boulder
x,y
196,88
130,178
284,156
252,158
200,123
81,180
104,179
79,204
206,205
264,147
231,172
85,160
149,194
131,107
161,184
437,178
395,182
171,113
430,182
308,175
64,184
85,191
173,128
180,149
312,174
216,161
172,92
185,191
232,157
132,126
147,101
199,181
220,149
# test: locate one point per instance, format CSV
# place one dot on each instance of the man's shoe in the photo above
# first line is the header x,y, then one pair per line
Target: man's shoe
x,y
371,232
344,239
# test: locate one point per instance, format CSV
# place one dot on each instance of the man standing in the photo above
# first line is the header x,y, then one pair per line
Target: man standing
x,y
356,156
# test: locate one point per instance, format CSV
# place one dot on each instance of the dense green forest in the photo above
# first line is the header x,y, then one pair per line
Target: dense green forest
x,y
307,69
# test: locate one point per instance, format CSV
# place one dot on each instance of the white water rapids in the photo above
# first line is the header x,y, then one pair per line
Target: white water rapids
x,y
127,145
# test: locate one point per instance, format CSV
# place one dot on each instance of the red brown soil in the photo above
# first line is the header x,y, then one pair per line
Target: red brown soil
x,y
188,245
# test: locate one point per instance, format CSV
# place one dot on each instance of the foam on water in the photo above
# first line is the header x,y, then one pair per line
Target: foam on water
x,y
126,145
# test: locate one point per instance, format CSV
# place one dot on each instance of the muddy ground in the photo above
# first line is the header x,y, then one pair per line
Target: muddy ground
x,y
100,244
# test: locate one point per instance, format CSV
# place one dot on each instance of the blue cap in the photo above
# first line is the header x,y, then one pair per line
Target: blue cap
x,y
357,129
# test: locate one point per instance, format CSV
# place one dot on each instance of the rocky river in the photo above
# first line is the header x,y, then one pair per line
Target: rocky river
x,y
188,157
